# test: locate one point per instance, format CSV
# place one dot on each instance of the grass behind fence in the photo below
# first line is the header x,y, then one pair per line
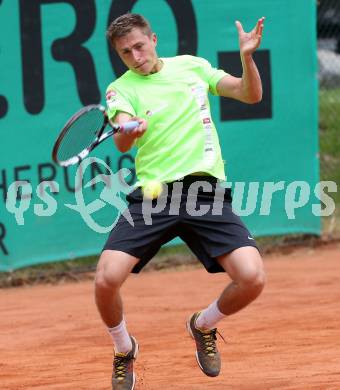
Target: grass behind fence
x,y
329,135
329,131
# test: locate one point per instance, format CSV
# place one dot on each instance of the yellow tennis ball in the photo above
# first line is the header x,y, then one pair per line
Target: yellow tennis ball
x,y
152,189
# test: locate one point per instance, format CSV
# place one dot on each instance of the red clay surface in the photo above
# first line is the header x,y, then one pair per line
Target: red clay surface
x,y
52,338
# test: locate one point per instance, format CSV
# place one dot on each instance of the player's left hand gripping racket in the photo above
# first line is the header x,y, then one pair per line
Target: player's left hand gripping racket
x,y
83,132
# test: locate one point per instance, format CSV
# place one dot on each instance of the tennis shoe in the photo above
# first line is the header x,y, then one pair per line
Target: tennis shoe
x,y
123,376
207,355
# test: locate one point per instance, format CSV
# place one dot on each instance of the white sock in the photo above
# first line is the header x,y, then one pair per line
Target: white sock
x,y
121,338
209,317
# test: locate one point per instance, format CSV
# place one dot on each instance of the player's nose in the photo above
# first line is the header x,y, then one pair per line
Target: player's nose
x,y
136,57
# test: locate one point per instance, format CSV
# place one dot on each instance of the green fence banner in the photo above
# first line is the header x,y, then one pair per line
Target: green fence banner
x,y
54,59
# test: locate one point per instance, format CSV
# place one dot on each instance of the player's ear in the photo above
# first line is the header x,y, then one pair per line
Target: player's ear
x,y
154,38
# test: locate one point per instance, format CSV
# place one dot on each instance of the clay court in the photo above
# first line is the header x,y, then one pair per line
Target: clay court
x,y
52,338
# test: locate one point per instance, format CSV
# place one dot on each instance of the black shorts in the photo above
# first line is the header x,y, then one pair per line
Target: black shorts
x,y
203,219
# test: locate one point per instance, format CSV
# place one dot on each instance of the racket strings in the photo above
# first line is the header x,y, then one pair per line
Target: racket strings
x,y
80,134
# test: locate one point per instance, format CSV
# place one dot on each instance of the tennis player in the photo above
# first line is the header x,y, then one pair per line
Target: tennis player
x,y
177,143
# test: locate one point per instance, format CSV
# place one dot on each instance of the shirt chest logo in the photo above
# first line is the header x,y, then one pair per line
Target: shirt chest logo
x,y
156,110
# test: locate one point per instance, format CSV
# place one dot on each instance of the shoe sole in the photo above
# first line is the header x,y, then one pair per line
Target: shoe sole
x,y
193,337
135,357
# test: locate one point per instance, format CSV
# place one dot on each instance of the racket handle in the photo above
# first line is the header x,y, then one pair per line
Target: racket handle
x,y
129,126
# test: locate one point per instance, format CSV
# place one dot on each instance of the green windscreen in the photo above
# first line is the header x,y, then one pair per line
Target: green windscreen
x,y
54,59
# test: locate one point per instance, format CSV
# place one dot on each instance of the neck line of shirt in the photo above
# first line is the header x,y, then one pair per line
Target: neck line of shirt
x,y
153,75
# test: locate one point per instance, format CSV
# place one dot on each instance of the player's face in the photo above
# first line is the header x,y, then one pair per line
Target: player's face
x,y
138,51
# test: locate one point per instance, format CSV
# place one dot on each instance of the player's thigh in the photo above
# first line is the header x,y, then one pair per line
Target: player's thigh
x,y
114,267
244,264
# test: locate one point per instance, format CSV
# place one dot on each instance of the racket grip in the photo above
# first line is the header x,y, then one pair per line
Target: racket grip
x,y
129,126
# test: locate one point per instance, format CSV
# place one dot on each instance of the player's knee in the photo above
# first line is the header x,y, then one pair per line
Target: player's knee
x,y
113,269
106,280
259,281
108,277
254,279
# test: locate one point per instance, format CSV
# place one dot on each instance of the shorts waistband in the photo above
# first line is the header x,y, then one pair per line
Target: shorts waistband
x,y
189,179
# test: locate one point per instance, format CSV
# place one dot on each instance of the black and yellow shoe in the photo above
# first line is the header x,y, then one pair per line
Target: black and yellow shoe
x,y
123,376
207,355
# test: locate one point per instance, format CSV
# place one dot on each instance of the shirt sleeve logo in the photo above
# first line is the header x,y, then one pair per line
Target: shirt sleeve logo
x,y
111,98
111,94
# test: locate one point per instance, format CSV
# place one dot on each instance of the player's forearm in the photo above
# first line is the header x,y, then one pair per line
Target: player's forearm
x,y
251,80
124,142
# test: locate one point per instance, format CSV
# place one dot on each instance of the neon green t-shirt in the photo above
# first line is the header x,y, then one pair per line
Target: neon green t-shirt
x,y
181,137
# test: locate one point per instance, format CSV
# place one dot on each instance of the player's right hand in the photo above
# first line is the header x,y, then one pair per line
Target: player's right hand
x,y
141,129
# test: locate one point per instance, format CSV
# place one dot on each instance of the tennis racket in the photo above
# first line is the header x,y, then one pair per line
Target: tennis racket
x,y
83,132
